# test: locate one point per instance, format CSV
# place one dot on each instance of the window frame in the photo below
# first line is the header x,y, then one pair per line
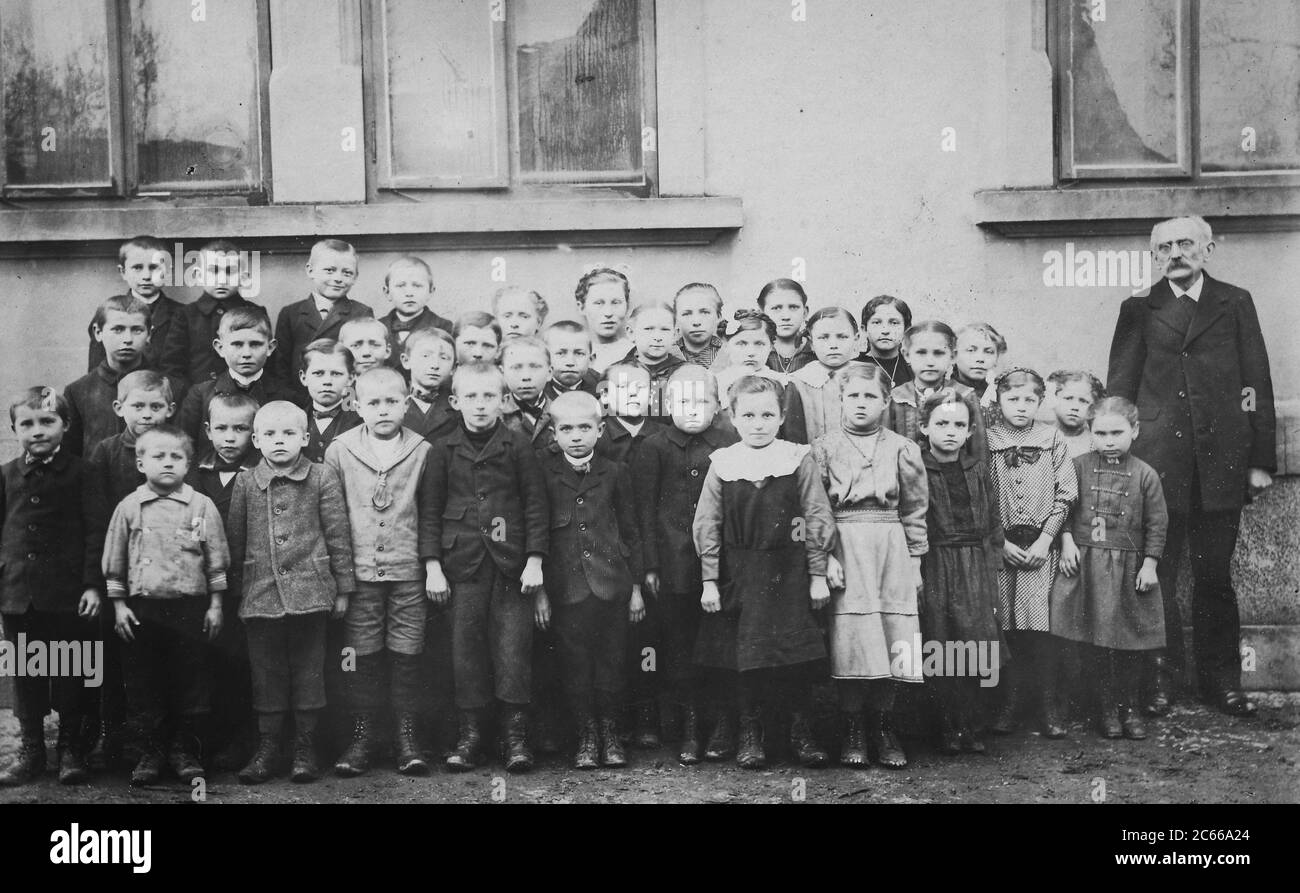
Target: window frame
x,y
382,187
123,151
1188,170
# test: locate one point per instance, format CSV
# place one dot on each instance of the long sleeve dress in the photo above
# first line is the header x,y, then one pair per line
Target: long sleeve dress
x,y
820,394
903,416
762,527
877,488
1119,521
1036,486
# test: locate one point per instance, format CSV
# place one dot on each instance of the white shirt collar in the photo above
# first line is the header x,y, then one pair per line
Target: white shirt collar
x,y
322,305
1194,292
585,461
245,382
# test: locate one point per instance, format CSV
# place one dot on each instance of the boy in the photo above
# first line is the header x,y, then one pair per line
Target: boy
x,y
390,492
367,339
244,342
409,285
785,301
144,401
627,397
592,575
327,373
519,312
478,338
603,296
651,326
696,310
165,562
229,427
526,364
184,356
667,480
142,263
332,268
570,346
50,586
428,356
490,531
288,513
121,329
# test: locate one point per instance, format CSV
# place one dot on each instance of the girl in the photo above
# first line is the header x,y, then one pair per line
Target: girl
x,y
833,332
1035,486
520,312
928,348
1075,392
980,348
960,592
750,336
877,488
1109,595
884,320
762,530
603,297
786,304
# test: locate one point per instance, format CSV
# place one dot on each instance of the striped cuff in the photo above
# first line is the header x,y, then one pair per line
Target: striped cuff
x,y
217,582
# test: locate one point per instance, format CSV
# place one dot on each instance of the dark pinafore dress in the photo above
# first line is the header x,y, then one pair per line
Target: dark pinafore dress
x,y
766,618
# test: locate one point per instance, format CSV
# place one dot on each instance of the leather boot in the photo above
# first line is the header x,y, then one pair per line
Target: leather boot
x,y
881,738
1130,678
853,749
588,753
263,764
182,754
149,768
645,734
1004,722
803,745
306,764
406,741
688,754
611,746
750,753
722,743
1103,671
1049,674
1162,686
106,754
72,751
514,743
361,751
465,755
29,762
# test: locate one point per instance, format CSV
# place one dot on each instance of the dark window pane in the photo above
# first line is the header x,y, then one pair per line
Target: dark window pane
x,y
578,70
54,65
446,105
1125,73
196,104
1250,78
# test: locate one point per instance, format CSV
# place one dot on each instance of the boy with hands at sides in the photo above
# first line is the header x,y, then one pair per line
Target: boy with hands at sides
x,y
490,533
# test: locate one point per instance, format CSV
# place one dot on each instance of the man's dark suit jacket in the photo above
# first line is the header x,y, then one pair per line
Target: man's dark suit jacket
x,y
1191,389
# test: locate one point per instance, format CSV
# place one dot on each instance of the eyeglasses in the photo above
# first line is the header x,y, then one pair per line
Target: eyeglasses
x,y
1184,245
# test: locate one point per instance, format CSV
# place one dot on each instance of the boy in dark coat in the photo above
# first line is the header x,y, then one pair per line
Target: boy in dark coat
x,y
491,526
592,576
143,263
121,331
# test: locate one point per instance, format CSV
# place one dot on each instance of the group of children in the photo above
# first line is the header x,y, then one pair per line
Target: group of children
x,y
359,528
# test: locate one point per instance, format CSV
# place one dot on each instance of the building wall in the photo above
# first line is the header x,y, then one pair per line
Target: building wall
x,y
831,132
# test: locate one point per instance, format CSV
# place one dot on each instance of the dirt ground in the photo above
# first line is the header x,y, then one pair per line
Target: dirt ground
x,y
1195,755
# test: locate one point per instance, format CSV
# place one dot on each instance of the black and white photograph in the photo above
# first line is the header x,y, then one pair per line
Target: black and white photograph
x,y
650,402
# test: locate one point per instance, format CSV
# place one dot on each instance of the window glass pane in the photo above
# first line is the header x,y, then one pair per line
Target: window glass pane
x,y
579,80
54,65
195,107
1125,69
1250,78
446,115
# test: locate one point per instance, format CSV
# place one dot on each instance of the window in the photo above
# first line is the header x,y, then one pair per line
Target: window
x,y
133,97
475,94
1177,89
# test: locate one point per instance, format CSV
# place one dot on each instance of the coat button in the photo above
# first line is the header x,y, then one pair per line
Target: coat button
x,y
1182,393
279,540
36,500
586,553
1178,434
381,523
284,572
279,511
1186,354
579,500
582,526
381,548
381,572
31,526
695,472
31,556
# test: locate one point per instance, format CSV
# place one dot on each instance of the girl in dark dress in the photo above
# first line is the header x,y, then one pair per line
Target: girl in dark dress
x,y
884,320
762,530
960,585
